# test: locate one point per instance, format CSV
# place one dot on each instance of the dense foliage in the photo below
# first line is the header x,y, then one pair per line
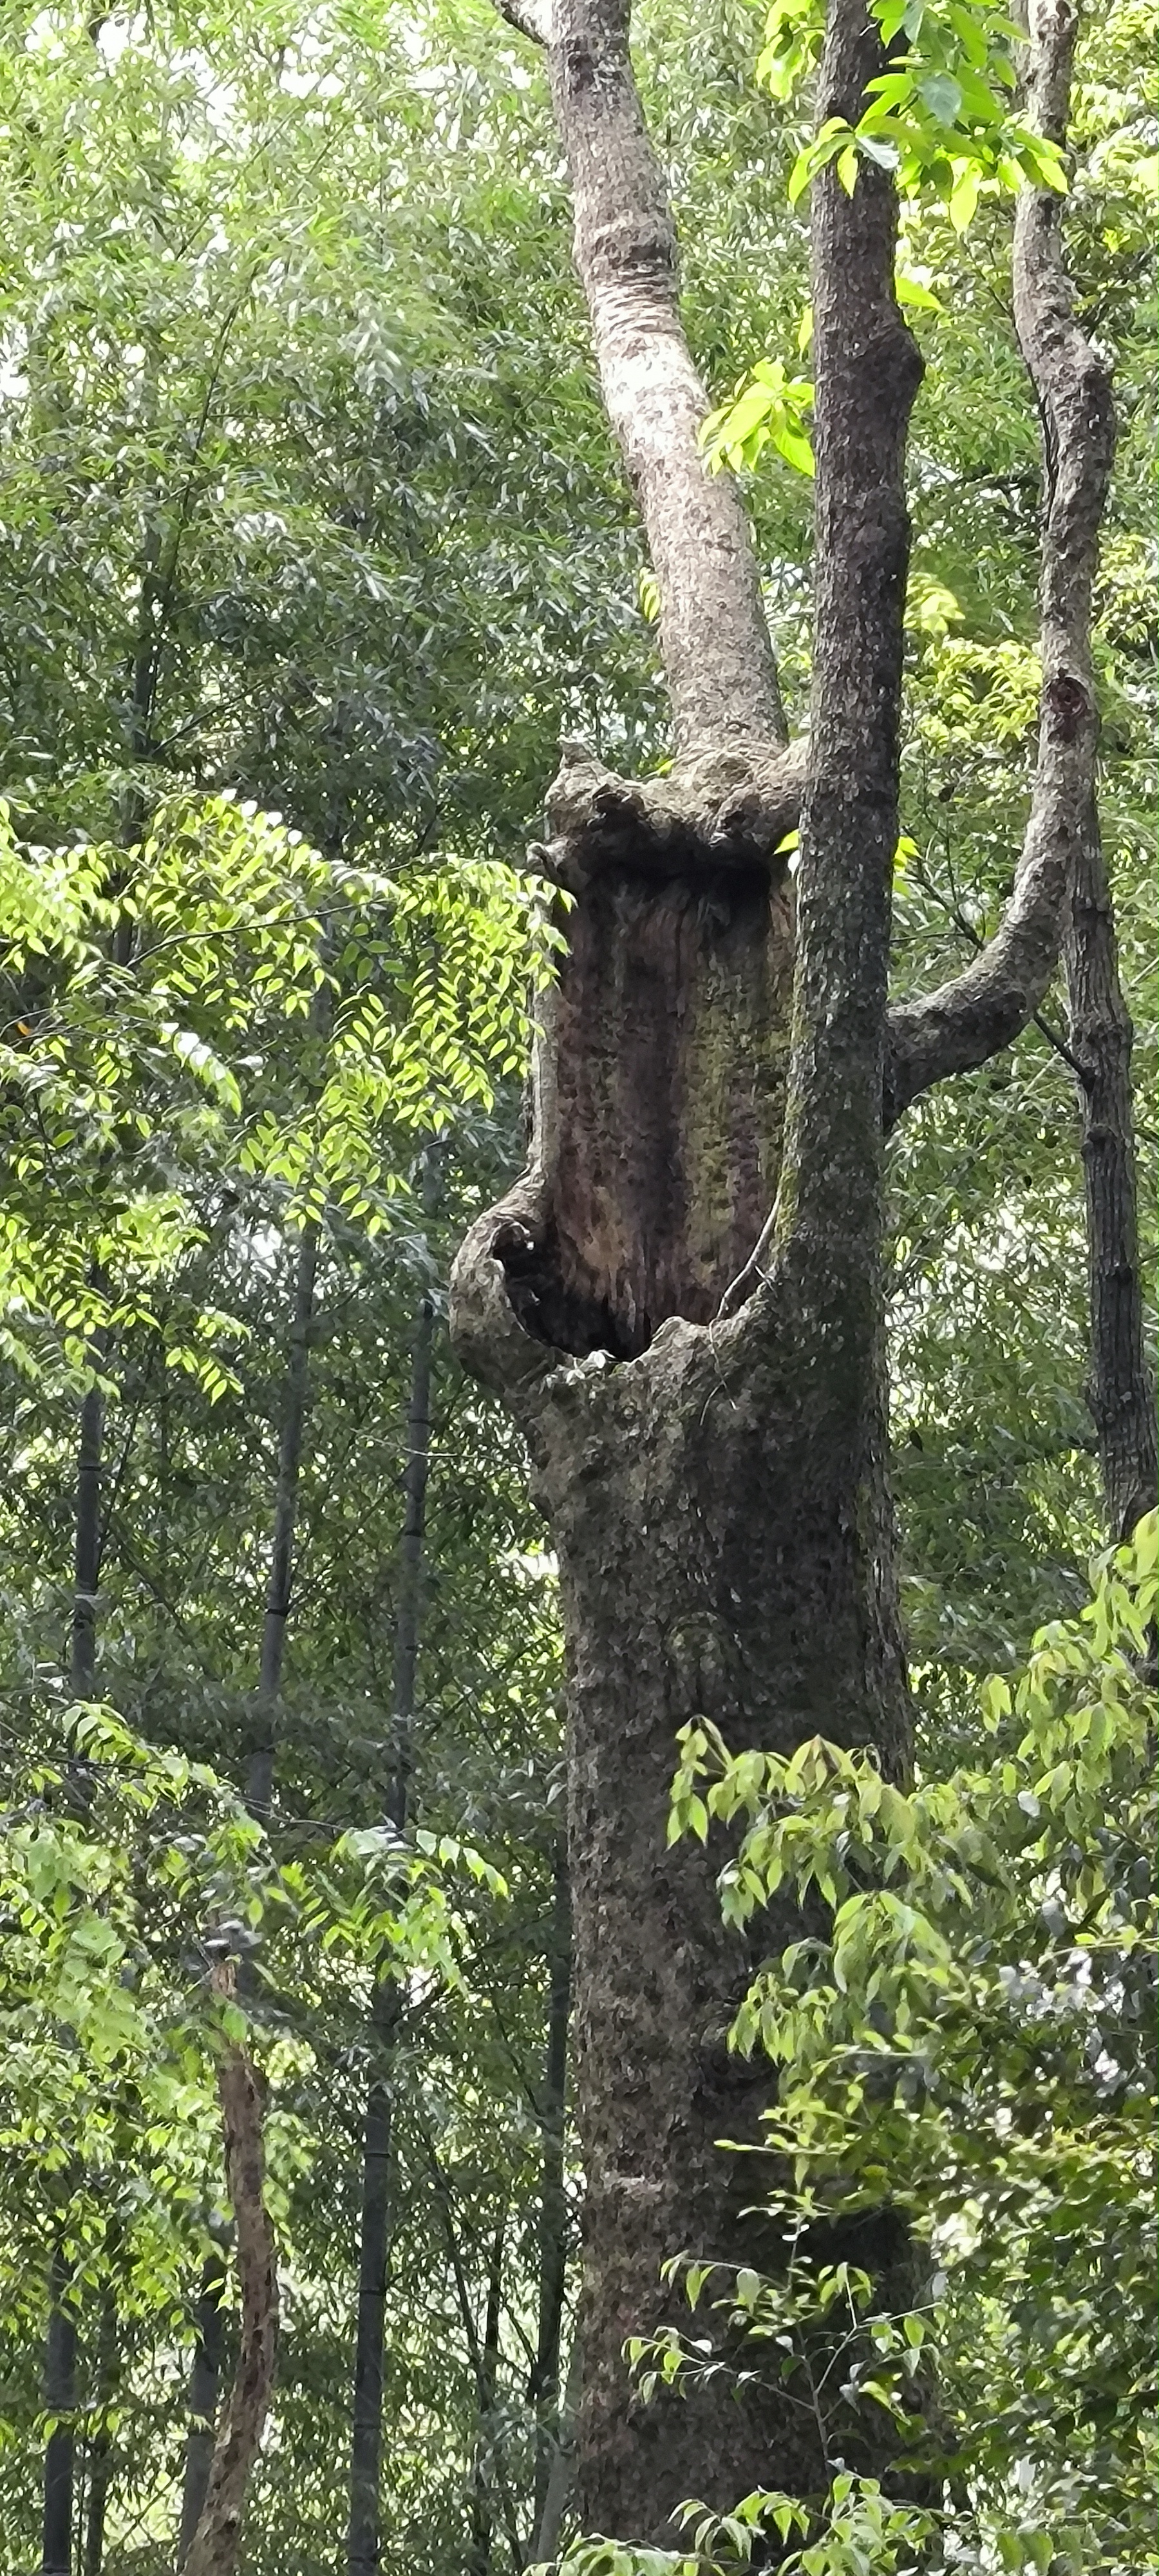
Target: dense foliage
x,y
313,543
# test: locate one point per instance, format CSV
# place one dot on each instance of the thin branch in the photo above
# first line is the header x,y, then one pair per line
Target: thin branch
x,y
530,17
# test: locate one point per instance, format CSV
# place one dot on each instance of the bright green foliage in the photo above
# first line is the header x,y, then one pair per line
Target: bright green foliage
x,y
969,2039
128,1071
768,412
940,117
861,2533
126,1870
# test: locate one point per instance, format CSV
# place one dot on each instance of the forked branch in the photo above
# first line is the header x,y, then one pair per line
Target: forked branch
x,y
982,1010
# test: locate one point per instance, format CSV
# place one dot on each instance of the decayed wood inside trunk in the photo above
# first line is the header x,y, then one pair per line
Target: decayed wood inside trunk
x,y
668,1052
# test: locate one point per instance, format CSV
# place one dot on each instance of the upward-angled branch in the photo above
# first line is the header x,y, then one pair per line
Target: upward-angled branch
x,y
970,1019
531,17
718,660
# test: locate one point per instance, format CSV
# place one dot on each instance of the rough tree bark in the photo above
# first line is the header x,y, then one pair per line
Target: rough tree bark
x,y
716,1479
214,2547
543,2385
1120,1384
204,2377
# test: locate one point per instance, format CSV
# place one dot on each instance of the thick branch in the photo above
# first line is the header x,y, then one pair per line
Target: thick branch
x,y
982,1010
717,656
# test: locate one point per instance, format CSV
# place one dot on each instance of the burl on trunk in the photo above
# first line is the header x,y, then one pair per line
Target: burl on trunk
x,y
699,1381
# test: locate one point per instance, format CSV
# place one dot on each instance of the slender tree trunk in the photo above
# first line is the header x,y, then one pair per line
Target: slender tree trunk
x,y
482,2518
410,1563
204,2379
213,2549
100,2461
260,1772
1121,1388
60,2402
61,2366
716,1480
547,2537
553,2215
87,1563
60,2357
218,2463
363,2527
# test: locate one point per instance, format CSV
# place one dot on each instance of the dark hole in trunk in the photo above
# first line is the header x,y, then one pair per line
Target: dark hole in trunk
x,y
671,1040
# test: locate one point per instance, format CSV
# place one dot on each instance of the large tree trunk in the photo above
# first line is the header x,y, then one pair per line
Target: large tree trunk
x,y
716,1480
719,1505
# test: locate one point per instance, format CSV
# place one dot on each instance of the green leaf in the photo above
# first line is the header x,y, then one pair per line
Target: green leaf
x,y
943,97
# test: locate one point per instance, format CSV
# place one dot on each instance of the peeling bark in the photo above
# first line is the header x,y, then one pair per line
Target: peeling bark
x,y
214,2546
719,1505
